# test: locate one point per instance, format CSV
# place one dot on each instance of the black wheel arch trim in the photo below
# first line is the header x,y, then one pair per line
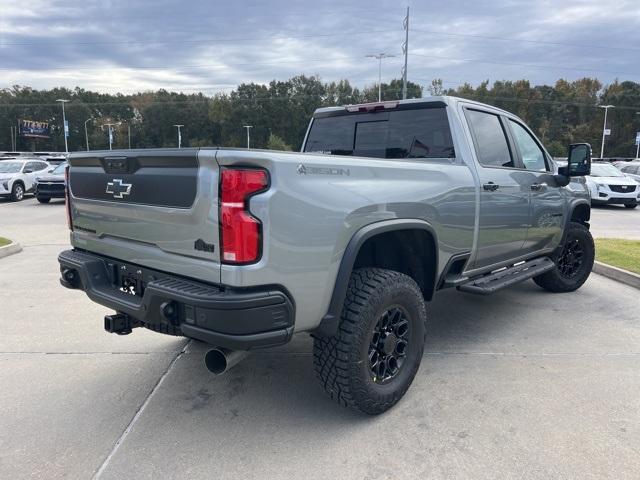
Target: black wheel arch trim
x,y
572,208
329,324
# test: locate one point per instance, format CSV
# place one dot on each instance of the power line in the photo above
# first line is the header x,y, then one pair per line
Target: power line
x,y
522,40
202,41
184,67
528,65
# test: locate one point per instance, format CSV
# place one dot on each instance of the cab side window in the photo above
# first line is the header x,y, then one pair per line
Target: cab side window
x,y
41,166
32,166
533,157
490,139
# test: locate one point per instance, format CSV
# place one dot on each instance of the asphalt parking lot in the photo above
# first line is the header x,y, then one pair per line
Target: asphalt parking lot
x,y
522,384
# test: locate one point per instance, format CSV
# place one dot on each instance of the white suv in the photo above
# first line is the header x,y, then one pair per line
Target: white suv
x,y
18,176
609,186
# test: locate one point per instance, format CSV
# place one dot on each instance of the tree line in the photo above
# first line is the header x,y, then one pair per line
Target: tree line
x,y
279,112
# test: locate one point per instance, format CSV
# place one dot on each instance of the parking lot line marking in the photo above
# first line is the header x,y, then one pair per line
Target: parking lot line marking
x,y
139,413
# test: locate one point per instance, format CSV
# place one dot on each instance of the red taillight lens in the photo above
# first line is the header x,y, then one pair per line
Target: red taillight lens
x,y
240,232
67,198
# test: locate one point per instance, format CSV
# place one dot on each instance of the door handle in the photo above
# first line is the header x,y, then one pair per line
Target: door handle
x,y
538,186
490,186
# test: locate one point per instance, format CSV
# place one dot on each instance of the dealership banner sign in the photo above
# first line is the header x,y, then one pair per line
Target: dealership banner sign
x,y
30,128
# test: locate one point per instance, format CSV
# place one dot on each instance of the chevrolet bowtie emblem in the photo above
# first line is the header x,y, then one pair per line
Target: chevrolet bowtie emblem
x,y
118,188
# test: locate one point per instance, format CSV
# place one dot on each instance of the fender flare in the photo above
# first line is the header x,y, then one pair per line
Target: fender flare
x,y
572,208
329,324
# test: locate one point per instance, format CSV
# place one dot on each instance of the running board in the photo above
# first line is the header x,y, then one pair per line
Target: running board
x,y
506,277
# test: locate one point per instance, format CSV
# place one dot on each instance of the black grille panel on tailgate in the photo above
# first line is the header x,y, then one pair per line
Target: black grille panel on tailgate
x,y
166,178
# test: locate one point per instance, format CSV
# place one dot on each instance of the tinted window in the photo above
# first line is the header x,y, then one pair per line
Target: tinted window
x,y
532,154
33,166
491,143
42,166
59,170
422,133
632,169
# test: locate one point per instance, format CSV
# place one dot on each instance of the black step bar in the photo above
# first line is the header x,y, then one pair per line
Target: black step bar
x,y
506,277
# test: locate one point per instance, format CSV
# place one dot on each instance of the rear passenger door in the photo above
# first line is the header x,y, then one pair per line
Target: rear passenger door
x,y
504,191
547,201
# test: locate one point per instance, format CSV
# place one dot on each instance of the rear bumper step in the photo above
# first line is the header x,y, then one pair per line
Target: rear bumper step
x,y
238,319
493,282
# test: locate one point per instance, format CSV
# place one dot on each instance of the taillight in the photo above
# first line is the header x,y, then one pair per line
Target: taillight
x,y
240,232
67,198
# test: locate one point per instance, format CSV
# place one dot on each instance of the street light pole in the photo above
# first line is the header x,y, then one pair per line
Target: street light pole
x,y
86,135
604,127
380,56
248,127
110,129
179,135
64,124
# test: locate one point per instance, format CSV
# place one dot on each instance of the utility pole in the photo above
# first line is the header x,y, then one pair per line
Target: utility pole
x,y
179,136
405,50
604,127
637,141
86,135
248,127
110,128
380,56
64,123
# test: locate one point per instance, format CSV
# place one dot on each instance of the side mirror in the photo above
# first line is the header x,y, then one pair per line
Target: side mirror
x,y
578,161
27,171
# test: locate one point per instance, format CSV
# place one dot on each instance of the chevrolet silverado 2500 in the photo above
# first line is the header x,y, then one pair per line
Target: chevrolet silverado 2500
x,y
387,204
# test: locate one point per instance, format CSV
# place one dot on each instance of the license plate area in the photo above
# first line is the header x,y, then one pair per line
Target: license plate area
x,y
130,279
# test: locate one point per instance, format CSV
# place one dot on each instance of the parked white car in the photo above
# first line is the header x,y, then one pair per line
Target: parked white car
x,y
631,169
18,176
609,186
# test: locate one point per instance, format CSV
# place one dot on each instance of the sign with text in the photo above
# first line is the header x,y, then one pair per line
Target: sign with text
x,y
31,128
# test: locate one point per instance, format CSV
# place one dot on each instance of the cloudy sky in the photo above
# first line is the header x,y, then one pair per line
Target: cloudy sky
x,y
211,46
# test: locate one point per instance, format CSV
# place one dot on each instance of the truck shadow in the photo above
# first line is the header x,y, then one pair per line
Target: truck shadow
x,y
280,383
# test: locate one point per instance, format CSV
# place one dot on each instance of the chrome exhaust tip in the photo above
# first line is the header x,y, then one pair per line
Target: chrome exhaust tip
x,y
219,360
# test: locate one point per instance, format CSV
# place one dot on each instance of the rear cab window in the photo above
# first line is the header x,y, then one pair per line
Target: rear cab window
x,y
490,139
407,131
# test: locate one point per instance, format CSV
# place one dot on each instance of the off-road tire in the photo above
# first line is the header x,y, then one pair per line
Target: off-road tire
x,y
341,362
553,280
44,199
17,192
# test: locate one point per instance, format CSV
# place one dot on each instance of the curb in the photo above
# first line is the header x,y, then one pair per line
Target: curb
x,y
617,274
10,249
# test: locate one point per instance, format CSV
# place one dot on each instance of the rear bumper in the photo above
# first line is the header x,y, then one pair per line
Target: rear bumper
x,y
238,319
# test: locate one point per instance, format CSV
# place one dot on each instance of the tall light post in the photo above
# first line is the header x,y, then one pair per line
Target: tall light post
x,y
604,127
379,57
86,135
248,127
179,135
65,127
110,128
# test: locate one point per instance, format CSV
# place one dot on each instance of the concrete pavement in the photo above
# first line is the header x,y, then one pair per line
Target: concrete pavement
x,y
522,384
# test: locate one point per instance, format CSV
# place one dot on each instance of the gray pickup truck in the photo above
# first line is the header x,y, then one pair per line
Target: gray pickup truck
x,y
387,204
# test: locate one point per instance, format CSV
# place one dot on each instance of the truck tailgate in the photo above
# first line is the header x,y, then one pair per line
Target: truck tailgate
x,y
153,207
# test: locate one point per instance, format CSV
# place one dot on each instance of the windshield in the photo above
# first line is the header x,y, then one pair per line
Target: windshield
x,y
59,170
10,167
605,170
415,133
